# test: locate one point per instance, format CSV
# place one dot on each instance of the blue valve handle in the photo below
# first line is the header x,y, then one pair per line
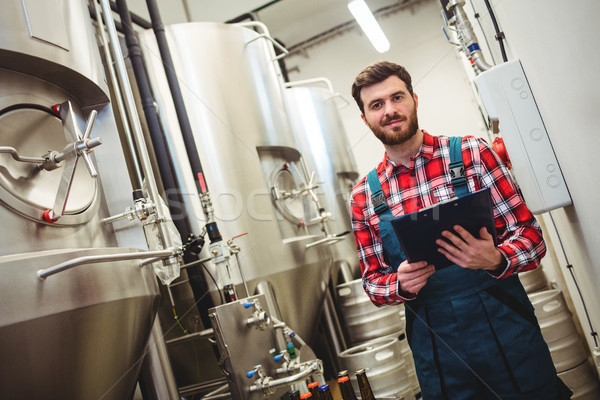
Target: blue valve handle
x,y
248,304
278,357
250,374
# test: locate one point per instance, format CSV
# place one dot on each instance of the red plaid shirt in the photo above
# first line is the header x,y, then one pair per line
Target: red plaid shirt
x,y
427,182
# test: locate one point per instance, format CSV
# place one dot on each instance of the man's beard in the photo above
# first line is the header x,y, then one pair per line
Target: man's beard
x,y
399,134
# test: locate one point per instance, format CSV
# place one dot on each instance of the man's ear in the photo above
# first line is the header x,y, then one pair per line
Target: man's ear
x,y
364,119
416,100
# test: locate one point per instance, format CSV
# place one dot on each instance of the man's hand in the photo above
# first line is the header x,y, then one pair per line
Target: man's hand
x,y
469,251
412,277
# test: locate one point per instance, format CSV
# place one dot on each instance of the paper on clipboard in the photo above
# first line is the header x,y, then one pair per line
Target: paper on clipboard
x,y
418,231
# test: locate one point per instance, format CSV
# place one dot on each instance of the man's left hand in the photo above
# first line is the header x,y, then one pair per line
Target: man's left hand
x,y
470,252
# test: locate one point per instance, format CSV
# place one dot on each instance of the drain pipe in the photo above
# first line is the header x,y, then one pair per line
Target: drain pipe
x,y
182,116
156,134
466,35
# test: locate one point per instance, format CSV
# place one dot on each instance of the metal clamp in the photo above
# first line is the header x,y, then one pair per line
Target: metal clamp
x,y
142,209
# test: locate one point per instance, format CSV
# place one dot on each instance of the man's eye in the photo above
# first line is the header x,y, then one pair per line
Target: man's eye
x,y
398,98
375,106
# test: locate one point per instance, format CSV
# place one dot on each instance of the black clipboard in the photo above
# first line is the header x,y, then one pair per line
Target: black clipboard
x,y
418,231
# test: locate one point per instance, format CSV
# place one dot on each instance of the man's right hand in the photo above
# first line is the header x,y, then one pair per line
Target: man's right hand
x,y
413,276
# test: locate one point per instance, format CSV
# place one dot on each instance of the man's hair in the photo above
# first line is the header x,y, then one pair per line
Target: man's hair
x,y
375,73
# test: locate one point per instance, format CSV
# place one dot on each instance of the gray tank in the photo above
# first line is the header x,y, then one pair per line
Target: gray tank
x,y
252,165
323,142
79,333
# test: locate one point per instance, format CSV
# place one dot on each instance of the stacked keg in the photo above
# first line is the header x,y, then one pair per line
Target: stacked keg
x,y
565,344
559,331
379,343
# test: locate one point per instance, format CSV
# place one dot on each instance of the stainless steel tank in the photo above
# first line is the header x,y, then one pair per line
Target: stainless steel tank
x,y
233,95
82,332
325,148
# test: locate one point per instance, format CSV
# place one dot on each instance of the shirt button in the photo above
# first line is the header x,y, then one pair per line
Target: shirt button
x,y
418,204
412,174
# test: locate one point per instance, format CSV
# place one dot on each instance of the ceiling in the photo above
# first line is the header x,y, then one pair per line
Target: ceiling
x,y
295,23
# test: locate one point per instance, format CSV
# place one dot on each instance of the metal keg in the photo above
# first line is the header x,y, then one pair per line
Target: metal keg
x,y
558,329
582,381
385,366
534,280
364,321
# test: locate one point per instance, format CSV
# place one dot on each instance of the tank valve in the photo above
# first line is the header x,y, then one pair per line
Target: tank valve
x,y
79,145
260,318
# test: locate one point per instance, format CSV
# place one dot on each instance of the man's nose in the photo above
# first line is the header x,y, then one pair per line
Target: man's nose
x,y
389,109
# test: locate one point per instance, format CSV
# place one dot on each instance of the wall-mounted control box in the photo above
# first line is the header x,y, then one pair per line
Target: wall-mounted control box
x,y
507,97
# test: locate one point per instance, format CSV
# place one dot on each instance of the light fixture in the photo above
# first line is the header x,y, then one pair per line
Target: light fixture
x,y
369,25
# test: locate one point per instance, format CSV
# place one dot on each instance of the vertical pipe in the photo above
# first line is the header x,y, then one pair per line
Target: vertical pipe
x,y
182,116
135,121
157,381
119,99
160,149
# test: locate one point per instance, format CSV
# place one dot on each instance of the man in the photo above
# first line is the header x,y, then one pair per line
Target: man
x,y
471,326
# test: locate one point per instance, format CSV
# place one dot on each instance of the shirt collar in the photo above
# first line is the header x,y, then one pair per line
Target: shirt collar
x,y
426,151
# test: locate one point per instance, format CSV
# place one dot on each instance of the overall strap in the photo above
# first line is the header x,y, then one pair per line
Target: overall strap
x,y
377,196
457,167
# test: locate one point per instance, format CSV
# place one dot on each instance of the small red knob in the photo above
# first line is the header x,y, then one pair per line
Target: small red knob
x,y
56,109
47,216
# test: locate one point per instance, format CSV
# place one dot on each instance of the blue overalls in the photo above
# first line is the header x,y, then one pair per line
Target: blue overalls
x,y
472,336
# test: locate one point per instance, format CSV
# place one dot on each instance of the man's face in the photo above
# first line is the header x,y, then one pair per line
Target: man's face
x,y
390,111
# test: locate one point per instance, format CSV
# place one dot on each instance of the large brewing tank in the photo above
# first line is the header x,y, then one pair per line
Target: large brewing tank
x,y
80,333
314,115
233,95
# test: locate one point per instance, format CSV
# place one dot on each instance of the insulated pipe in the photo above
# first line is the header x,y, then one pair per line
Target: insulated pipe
x,y
160,149
467,36
138,179
182,116
136,125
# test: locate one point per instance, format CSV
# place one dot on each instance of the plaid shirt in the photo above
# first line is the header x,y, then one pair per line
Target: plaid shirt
x,y
427,182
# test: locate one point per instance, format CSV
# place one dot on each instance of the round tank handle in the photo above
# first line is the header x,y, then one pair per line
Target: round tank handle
x,y
138,255
79,145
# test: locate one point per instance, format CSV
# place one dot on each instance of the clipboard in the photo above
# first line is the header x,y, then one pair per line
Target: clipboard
x,y
418,231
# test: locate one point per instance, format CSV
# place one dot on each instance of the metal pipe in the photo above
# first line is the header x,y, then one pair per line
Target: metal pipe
x,y
221,396
137,127
13,152
141,22
288,379
196,388
157,380
178,102
196,335
333,325
138,179
467,35
44,273
160,149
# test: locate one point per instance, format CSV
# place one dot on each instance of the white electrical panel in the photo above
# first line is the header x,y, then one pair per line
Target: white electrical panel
x,y
507,97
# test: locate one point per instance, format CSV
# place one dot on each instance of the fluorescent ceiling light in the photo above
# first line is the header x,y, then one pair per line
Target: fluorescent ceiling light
x,y
369,25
